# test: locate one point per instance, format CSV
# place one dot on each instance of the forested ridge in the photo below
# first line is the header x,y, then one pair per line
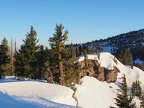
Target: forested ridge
x,y
56,64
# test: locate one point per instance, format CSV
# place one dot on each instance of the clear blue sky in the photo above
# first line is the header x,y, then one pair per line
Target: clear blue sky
x,y
86,20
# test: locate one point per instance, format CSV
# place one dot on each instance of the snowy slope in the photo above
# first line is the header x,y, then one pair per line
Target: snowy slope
x,y
33,94
90,94
95,94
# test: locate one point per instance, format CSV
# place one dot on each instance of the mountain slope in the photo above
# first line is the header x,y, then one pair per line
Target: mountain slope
x,y
134,41
96,94
91,93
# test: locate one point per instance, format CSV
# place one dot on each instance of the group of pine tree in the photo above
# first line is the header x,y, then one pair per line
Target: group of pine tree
x,y
56,65
35,61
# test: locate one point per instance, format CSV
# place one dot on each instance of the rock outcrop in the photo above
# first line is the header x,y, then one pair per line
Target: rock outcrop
x,y
93,68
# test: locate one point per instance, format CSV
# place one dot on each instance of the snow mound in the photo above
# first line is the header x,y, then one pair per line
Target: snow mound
x,y
95,94
33,93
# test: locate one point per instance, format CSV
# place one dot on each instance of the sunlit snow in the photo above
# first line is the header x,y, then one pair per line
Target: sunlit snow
x,y
90,94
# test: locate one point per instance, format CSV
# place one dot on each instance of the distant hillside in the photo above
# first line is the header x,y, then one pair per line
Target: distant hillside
x,y
133,41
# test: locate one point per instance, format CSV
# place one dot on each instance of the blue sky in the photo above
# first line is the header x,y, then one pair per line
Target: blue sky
x,y
86,20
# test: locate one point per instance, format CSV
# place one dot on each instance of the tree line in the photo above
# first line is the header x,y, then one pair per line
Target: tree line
x,y
36,61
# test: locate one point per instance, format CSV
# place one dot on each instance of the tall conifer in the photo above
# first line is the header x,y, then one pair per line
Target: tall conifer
x,y
123,99
4,58
26,56
57,44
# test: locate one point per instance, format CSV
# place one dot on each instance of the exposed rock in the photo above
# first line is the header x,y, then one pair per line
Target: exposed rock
x,y
101,69
111,75
93,68
101,76
96,63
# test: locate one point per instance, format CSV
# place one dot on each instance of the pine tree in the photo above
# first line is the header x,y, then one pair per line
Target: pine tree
x,y
142,100
123,99
43,56
4,59
99,49
136,89
80,50
93,47
125,57
57,44
142,67
53,60
26,56
85,49
70,74
73,54
77,52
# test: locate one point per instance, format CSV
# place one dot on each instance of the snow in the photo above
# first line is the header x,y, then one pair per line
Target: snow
x,y
91,57
95,94
34,94
91,93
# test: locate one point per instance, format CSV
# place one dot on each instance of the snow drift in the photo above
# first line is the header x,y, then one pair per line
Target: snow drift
x,y
33,94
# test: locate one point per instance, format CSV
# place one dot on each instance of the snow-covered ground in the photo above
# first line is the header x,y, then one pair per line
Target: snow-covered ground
x,y
34,94
95,94
90,94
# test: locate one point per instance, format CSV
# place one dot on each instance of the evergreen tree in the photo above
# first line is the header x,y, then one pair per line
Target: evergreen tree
x,y
43,56
26,56
136,89
125,57
5,44
77,52
57,44
123,99
99,49
85,49
40,61
85,54
4,59
70,74
53,60
73,54
80,50
142,67
70,70
142,100
93,47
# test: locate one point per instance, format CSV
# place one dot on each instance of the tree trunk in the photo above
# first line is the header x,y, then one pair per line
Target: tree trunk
x,y
60,64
